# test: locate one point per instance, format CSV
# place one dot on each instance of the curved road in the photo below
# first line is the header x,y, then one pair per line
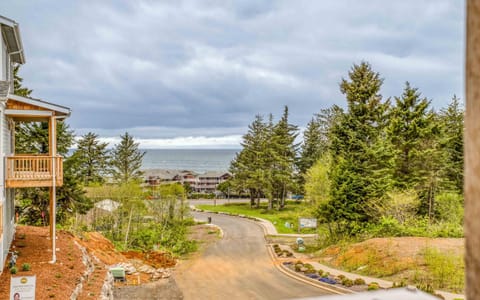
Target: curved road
x,y
238,267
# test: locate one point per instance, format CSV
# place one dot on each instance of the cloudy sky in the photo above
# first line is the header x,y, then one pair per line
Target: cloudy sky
x,y
194,73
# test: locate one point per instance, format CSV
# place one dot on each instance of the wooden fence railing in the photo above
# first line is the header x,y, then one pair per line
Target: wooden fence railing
x,y
33,170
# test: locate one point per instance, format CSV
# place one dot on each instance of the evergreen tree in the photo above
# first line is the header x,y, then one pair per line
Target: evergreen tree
x,y
17,84
126,160
315,139
249,165
32,138
354,140
451,120
91,159
312,146
411,126
283,150
413,132
71,196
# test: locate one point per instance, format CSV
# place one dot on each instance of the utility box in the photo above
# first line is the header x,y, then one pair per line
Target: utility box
x,y
118,273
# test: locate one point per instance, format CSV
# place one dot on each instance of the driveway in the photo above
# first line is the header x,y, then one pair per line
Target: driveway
x,y
237,267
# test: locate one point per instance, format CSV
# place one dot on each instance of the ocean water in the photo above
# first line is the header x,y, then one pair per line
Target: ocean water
x,y
198,160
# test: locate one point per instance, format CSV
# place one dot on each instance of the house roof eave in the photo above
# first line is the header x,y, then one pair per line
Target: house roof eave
x,y
62,110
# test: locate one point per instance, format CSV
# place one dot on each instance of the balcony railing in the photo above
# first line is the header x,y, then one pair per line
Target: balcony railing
x,y
33,171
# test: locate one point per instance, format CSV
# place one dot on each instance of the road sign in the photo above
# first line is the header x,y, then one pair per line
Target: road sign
x,y
307,222
22,287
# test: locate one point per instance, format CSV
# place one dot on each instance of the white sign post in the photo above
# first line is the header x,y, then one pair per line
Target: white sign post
x,y
22,288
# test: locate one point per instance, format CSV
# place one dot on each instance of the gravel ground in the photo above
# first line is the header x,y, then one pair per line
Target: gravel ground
x,y
158,290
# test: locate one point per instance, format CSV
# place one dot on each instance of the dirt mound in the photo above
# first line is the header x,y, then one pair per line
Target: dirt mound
x,y
102,248
154,258
393,258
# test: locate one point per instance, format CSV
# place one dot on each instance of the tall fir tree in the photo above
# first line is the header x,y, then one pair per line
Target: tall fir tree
x,y
17,84
315,139
354,137
413,131
248,166
311,147
411,125
126,160
452,122
284,151
91,159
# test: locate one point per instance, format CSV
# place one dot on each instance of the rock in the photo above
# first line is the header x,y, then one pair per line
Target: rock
x,y
129,268
147,269
161,273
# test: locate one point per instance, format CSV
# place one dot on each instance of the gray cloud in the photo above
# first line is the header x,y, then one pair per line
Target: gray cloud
x,y
205,68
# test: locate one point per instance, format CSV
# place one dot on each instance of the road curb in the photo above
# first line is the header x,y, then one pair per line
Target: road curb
x,y
286,271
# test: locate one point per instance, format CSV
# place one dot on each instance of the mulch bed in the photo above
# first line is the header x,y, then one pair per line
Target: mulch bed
x,y
53,281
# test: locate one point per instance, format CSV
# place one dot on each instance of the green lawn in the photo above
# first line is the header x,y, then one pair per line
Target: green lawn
x,y
292,211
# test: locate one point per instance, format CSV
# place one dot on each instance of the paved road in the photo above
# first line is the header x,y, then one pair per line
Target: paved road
x,y
238,267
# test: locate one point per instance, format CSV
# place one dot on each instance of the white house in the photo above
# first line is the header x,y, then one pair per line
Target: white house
x,y
20,170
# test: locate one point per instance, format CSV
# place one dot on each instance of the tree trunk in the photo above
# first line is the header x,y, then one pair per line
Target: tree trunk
x,y
128,228
252,198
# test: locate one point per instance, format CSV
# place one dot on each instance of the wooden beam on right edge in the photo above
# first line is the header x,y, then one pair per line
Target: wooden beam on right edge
x,y
472,151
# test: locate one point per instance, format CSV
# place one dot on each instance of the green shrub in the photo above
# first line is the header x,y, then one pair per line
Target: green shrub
x,y
309,266
373,286
347,282
449,208
13,270
399,284
359,281
426,287
298,267
446,269
341,277
25,267
320,272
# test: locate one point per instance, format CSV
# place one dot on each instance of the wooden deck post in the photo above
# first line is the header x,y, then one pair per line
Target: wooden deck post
x,y
472,151
52,152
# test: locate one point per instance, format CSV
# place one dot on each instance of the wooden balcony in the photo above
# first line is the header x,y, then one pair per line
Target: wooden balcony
x,y
33,171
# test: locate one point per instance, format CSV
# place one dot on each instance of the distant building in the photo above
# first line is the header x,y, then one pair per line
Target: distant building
x,y
200,183
186,176
209,181
157,176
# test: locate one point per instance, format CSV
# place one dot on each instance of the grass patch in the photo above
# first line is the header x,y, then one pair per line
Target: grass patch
x,y
444,270
290,214
428,268
370,260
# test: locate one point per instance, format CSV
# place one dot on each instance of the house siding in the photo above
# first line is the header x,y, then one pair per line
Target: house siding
x,y
3,236
7,196
3,69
